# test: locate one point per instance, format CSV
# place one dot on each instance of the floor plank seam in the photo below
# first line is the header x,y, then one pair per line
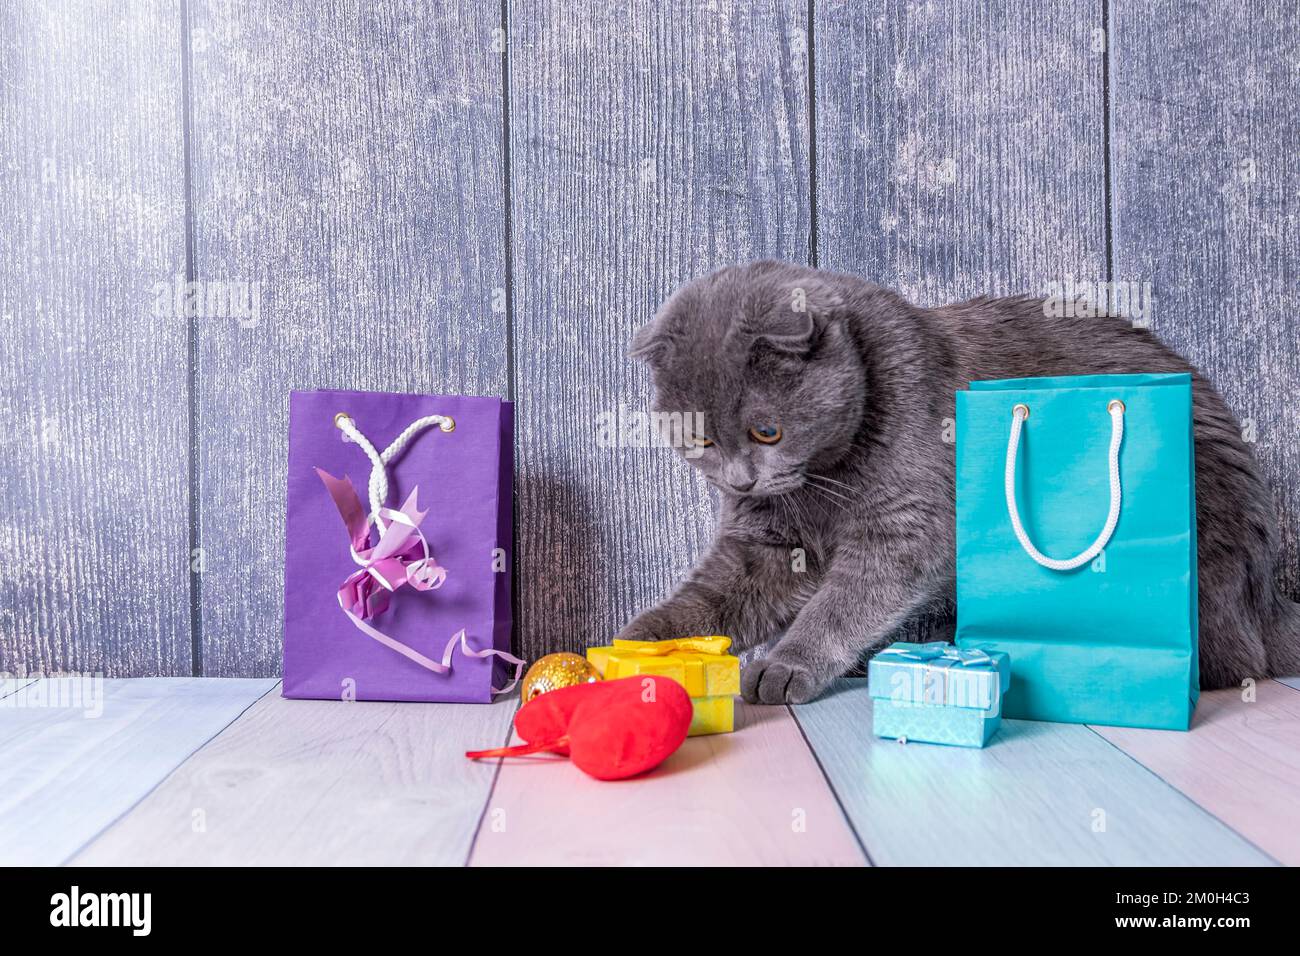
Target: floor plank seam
x,y
27,682
165,777
848,820
1203,809
487,800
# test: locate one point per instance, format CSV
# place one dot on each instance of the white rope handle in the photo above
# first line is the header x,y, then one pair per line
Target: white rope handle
x,y
379,473
1018,416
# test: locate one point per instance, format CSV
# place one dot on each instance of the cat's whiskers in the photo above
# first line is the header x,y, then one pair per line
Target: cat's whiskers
x,y
820,477
831,492
828,497
832,505
801,517
849,493
831,482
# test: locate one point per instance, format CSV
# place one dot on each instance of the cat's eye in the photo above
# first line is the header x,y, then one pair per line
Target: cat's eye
x,y
699,441
766,434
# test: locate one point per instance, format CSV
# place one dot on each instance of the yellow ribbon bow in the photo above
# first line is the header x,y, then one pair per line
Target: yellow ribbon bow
x,y
690,645
700,664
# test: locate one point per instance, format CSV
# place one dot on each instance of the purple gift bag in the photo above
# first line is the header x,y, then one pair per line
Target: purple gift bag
x,y
397,547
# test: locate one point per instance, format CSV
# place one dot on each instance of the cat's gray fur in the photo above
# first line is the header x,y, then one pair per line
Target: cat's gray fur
x,y
861,382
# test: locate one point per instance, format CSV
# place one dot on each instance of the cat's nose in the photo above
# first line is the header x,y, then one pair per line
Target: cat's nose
x,y
742,485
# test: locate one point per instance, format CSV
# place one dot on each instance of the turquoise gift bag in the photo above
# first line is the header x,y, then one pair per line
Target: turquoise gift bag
x,y
1076,544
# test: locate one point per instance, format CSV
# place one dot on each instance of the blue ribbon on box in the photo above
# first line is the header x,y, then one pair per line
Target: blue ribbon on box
x,y
939,652
965,677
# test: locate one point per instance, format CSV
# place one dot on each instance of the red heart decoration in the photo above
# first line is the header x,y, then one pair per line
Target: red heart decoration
x,y
609,729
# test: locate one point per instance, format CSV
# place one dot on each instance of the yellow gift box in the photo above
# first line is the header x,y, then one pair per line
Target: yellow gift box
x,y
700,664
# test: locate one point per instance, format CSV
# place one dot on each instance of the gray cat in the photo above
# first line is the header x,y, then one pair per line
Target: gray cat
x,y
823,398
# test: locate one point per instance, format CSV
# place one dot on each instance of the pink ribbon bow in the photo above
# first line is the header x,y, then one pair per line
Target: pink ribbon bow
x,y
400,557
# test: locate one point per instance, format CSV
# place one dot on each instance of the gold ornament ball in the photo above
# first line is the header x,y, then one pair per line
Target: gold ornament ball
x,y
555,671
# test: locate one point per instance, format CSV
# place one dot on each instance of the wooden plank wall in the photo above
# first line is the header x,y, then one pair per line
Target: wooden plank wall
x,y
348,159
646,147
489,198
1205,153
94,390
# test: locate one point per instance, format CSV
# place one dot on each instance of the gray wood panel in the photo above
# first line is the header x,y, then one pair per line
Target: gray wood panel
x,y
1205,154
647,147
94,538
348,159
960,149
960,145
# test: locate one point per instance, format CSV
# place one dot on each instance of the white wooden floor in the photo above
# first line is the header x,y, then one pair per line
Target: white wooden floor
x,y
211,771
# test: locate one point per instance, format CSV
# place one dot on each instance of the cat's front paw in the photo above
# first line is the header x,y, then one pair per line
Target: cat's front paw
x,y
779,680
648,626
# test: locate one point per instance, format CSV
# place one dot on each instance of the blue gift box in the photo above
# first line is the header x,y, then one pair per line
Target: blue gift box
x,y
938,693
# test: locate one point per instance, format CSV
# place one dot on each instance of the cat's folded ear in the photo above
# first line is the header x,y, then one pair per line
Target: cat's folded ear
x,y
794,321
650,341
